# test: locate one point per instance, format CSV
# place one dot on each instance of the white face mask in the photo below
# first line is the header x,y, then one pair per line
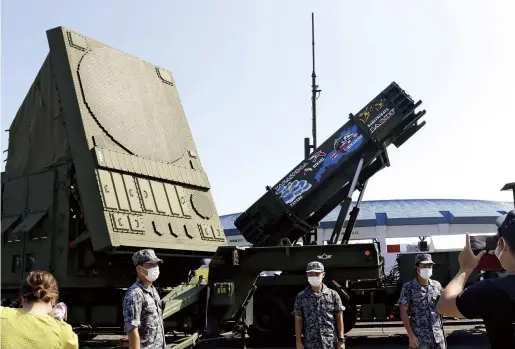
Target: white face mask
x,y
314,280
425,273
152,274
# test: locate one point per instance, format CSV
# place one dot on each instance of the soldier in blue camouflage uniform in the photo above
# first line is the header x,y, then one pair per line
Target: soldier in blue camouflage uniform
x,y
318,313
418,301
142,307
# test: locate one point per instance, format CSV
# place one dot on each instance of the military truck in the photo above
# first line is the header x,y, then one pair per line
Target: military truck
x,y
101,163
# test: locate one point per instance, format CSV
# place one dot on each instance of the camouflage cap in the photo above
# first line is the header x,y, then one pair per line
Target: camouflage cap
x,y
315,266
423,258
145,256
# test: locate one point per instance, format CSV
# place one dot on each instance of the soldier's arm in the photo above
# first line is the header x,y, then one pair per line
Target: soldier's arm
x,y
297,312
132,304
339,308
403,304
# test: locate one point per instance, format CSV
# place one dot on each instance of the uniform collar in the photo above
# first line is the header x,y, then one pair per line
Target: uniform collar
x,y
324,289
144,287
430,283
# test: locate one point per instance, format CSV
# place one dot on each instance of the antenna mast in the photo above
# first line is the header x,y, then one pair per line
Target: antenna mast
x,y
314,90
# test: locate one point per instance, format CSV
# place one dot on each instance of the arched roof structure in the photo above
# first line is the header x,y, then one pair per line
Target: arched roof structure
x,y
409,212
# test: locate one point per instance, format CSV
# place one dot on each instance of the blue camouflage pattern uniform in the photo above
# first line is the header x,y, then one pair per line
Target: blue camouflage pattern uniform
x,y
318,312
142,307
425,321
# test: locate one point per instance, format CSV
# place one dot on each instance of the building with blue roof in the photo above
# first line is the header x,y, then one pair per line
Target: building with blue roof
x,y
389,219
409,212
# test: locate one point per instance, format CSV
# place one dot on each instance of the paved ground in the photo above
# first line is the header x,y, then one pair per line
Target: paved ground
x,y
459,337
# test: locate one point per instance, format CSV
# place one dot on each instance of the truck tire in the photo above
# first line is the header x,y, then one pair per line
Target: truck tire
x,y
280,324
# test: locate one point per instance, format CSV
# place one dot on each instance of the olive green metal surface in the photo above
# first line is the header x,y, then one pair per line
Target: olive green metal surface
x,y
180,298
101,163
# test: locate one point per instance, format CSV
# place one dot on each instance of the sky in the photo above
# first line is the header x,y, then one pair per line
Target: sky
x,y
243,71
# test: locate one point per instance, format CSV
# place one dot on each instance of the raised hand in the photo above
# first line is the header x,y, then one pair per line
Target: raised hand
x,y
468,260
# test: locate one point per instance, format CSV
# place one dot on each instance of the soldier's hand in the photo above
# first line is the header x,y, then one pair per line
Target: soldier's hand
x,y
299,345
340,345
468,260
413,342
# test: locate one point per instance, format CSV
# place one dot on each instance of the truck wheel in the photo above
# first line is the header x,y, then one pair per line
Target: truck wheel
x,y
263,338
256,335
273,321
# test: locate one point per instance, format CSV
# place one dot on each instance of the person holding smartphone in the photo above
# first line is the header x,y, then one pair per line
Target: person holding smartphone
x,y
492,300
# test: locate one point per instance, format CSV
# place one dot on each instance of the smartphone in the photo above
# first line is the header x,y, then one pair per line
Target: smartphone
x,y
489,262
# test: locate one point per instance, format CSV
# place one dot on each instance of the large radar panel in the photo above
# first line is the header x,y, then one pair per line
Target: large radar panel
x,y
134,153
120,123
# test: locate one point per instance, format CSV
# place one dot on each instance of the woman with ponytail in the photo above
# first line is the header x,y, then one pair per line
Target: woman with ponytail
x,y
38,323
